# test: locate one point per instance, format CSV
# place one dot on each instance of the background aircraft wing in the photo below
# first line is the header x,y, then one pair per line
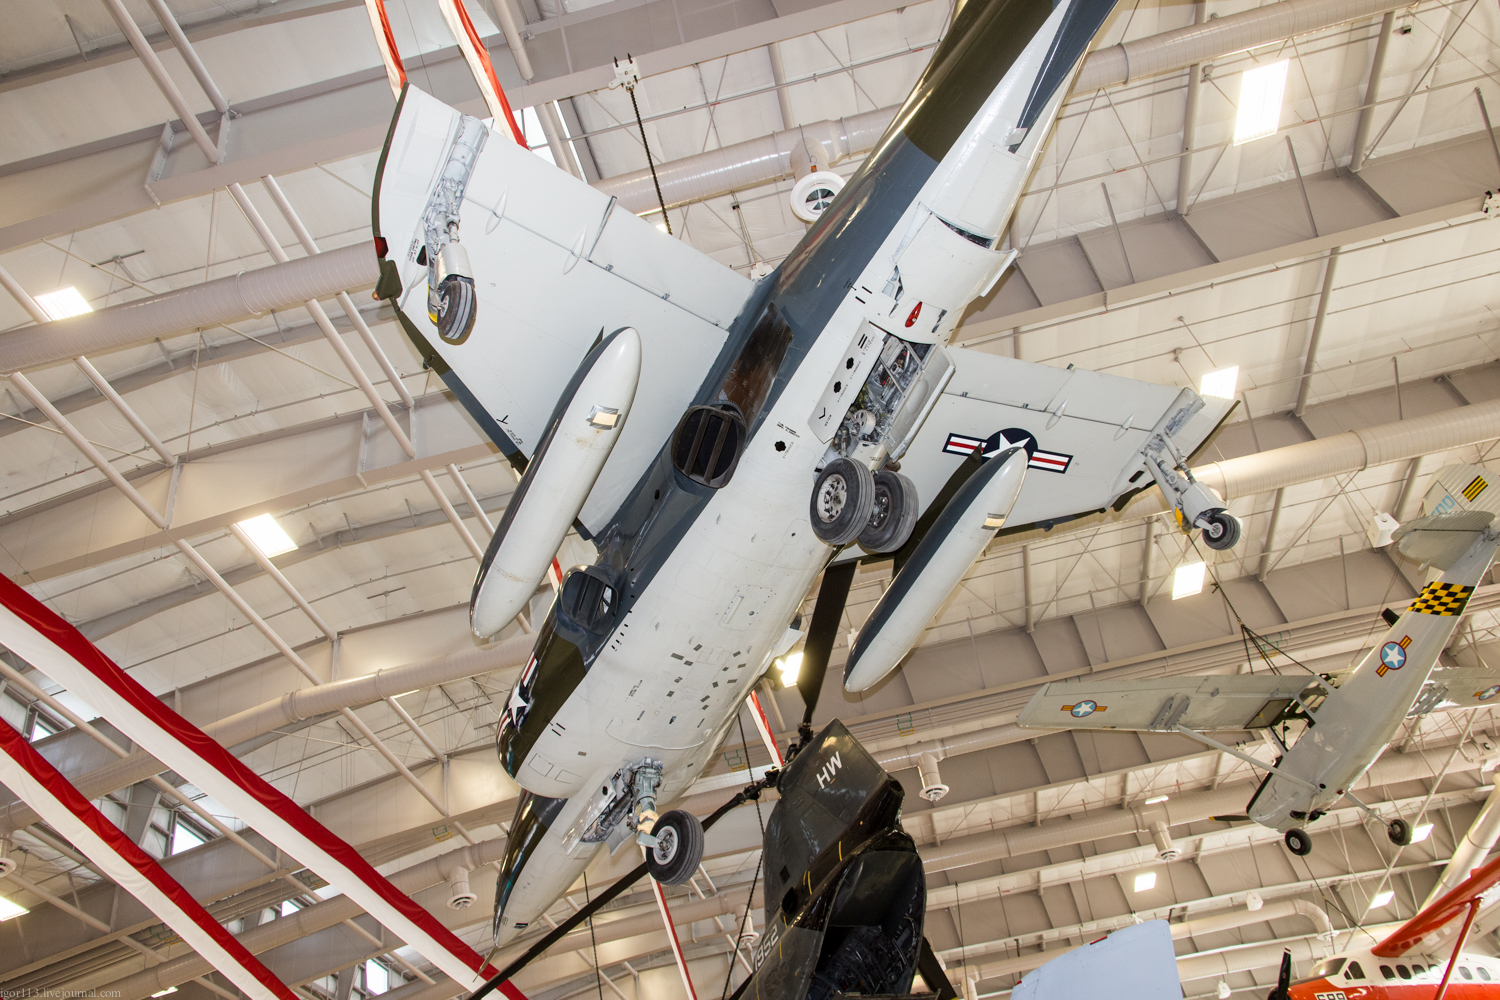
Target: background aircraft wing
x,y
1085,430
1459,687
555,264
1443,911
1228,701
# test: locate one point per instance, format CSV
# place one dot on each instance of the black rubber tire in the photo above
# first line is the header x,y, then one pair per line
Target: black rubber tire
x,y
1399,830
1222,530
842,497
457,308
893,513
679,847
1298,842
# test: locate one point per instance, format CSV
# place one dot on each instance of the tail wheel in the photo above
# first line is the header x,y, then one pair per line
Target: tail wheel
x,y
893,514
1221,530
1399,830
842,499
455,309
679,847
1298,842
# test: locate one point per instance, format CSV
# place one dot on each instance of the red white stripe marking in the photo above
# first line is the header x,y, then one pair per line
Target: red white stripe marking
x,y
666,917
386,43
43,787
33,632
758,714
478,59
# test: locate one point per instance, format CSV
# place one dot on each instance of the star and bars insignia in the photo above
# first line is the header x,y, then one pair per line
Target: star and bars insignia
x,y
1442,599
1036,458
1475,488
1085,708
1393,656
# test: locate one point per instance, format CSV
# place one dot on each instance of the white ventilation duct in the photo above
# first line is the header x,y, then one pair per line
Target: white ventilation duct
x,y
1162,838
1221,36
1475,846
460,896
933,788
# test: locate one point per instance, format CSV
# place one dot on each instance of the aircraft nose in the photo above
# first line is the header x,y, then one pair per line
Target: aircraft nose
x,y
534,816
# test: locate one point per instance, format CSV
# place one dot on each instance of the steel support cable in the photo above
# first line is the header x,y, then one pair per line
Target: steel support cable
x,y
651,163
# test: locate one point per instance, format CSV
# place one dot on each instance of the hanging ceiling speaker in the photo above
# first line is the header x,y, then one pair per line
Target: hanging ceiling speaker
x,y
815,192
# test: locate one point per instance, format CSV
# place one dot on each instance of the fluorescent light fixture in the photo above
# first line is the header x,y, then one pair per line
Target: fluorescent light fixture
x,y
1261,90
267,535
9,909
1421,833
1188,580
1381,899
1153,800
789,665
63,303
162,993
1220,383
1145,881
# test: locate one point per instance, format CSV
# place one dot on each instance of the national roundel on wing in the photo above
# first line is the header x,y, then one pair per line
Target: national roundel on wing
x,y
1008,438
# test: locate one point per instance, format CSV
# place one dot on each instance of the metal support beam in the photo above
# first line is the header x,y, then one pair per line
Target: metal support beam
x,y
164,82
1305,386
1148,557
1026,586
1269,547
189,55
1372,92
1190,125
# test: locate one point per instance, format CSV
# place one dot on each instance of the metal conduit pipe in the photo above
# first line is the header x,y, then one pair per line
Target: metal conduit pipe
x,y
1472,849
294,706
1020,964
746,164
248,293
1200,43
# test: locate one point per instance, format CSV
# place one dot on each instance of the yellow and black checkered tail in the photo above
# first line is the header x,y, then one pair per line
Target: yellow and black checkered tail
x,y
1444,600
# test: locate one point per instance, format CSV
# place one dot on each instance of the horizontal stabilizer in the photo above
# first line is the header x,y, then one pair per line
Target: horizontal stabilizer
x,y
1229,701
1441,539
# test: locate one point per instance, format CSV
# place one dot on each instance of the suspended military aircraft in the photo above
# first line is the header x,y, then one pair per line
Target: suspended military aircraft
x,y
1409,962
845,895
721,442
1346,718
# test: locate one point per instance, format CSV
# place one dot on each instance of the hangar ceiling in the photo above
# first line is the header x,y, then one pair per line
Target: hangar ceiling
x,y
1350,300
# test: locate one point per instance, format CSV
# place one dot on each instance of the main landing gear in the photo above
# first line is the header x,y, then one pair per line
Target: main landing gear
x,y
849,503
679,847
1197,505
1298,842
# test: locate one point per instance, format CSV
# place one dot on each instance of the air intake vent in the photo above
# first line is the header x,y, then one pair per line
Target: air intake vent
x,y
708,445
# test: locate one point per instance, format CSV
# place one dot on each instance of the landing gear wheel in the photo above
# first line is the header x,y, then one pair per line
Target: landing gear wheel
x,y
679,847
1221,530
894,513
1298,842
842,499
1399,830
454,308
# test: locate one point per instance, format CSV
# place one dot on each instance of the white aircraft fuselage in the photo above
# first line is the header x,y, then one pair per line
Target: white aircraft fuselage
x,y
1360,716
696,587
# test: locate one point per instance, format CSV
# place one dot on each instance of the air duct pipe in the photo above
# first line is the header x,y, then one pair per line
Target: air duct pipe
x,y
460,897
750,163
1279,910
933,788
305,703
1475,846
249,293
1176,50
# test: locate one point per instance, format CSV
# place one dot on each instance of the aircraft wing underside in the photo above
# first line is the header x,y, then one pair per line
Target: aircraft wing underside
x,y
1086,431
1203,704
555,263
1448,688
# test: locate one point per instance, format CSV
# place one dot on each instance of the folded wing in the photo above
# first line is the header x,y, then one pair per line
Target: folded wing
x,y
554,265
